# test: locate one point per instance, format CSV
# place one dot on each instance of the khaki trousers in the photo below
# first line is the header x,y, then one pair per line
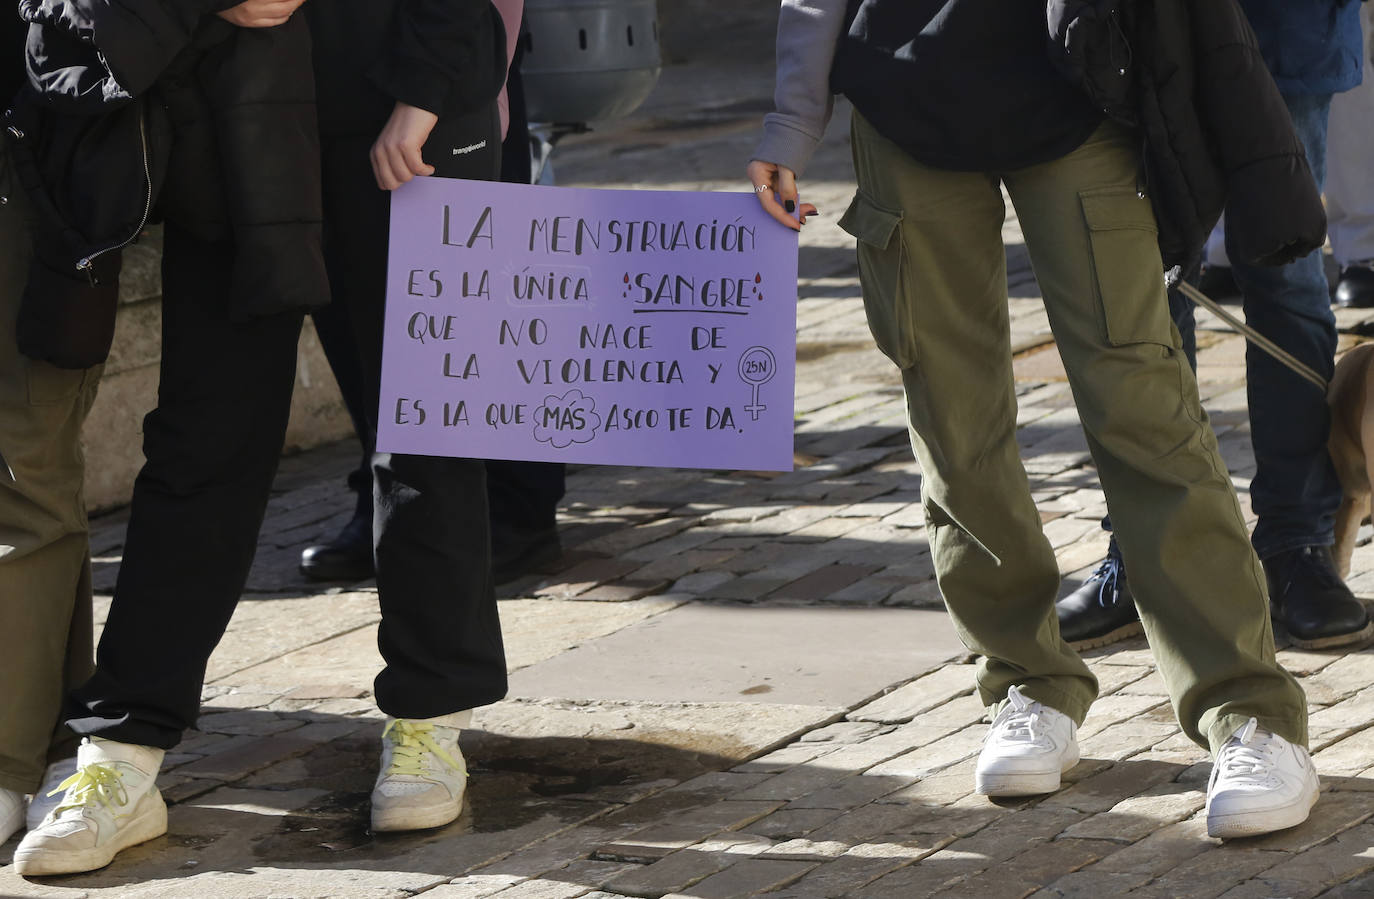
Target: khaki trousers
x,y
45,568
933,271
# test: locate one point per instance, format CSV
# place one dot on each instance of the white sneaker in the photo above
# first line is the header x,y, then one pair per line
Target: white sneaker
x,y
110,804
423,774
1260,783
1027,749
49,794
11,813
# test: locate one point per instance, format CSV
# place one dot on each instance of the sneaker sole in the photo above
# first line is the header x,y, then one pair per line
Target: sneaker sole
x,y
1253,824
1016,784
1358,636
44,861
1133,629
997,785
415,818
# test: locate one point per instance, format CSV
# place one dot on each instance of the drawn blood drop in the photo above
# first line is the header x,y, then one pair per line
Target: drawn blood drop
x,y
627,277
758,279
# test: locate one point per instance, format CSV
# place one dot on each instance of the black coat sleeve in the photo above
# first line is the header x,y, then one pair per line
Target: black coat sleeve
x,y
1274,211
445,56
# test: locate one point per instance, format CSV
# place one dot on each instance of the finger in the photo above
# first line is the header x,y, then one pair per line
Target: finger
x,y
760,172
400,171
376,170
762,175
787,188
415,162
386,178
774,208
807,209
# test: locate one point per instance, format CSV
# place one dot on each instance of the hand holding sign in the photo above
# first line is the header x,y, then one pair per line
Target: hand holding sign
x,y
776,187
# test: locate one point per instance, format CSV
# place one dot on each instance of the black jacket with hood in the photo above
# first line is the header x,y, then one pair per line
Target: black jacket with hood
x,y
149,108
1215,128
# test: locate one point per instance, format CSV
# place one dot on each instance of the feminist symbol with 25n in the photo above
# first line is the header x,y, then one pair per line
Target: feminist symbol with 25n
x,y
756,367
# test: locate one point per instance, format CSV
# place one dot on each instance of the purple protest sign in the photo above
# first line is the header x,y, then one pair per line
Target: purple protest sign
x,y
619,327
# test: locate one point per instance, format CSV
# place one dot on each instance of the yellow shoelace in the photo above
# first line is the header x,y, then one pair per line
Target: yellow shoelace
x,y
92,782
412,740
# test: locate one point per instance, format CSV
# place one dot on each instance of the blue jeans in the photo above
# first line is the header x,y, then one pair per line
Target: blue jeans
x,y
1295,493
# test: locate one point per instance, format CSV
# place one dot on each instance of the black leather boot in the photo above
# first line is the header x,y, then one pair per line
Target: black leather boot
x,y
1355,289
1308,597
348,557
1100,612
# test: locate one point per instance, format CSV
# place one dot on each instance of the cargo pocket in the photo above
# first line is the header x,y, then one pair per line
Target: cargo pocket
x,y
1127,273
49,385
887,294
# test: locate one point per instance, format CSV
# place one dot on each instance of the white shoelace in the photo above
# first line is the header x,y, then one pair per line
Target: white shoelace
x,y
1242,758
1018,719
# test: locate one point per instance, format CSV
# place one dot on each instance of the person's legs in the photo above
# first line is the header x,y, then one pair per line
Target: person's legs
x,y
347,557
523,500
523,497
440,635
1102,610
934,283
212,446
1295,492
1200,589
1350,182
45,604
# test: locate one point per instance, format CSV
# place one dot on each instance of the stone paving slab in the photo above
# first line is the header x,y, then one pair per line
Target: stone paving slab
x,y
786,655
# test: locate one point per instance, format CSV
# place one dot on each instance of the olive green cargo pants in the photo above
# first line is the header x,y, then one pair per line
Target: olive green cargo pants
x,y
45,569
933,271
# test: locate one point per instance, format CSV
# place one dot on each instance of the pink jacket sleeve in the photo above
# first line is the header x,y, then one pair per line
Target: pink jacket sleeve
x,y
511,11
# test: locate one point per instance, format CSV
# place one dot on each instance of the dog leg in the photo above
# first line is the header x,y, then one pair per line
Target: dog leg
x,y
1353,510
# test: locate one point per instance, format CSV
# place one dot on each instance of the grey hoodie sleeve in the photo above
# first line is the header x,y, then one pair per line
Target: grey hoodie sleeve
x,y
807,33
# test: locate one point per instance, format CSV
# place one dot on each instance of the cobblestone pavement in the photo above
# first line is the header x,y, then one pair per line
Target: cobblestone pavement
x,y
734,683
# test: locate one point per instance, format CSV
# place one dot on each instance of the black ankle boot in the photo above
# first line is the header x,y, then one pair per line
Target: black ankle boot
x,y
1100,612
1308,597
348,557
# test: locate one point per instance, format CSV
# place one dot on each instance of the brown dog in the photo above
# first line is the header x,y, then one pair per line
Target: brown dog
x,y
1351,397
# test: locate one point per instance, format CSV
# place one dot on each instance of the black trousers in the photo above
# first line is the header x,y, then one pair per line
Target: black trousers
x,y
212,447
440,635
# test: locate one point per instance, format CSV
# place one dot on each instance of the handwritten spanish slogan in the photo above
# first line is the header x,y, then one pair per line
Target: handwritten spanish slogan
x,y
596,326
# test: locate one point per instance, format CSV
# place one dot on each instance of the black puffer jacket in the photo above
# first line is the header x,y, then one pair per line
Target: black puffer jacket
x,y
1216,131
159,107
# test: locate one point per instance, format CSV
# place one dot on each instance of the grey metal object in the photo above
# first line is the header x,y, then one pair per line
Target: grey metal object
x,y
588,59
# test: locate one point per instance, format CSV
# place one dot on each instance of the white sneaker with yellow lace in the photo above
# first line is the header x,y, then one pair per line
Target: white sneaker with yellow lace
x,y
110,804
49,795
423,774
